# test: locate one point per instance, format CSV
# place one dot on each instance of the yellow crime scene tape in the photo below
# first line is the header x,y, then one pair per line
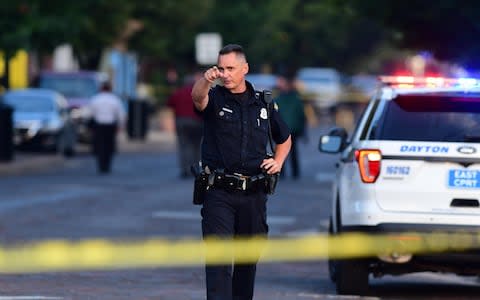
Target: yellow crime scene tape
x,y
60,255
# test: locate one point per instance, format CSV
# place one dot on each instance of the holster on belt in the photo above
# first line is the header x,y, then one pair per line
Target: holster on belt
x,y
200,184
271,181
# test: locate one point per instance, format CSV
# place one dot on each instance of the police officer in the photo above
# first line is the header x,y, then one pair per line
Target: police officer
x,y
234,147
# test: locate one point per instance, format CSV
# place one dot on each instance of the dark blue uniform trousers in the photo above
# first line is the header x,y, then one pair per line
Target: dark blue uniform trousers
x,y
229,214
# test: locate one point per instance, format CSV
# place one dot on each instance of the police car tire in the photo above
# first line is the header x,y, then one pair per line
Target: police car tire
x,y
352,277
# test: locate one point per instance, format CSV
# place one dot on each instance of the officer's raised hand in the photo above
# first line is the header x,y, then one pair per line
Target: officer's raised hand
x,y
212,74
202,86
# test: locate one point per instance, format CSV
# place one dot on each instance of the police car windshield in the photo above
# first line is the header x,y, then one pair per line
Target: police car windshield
x,y
430,118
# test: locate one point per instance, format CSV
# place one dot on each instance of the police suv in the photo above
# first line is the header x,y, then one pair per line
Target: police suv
x,y
412,164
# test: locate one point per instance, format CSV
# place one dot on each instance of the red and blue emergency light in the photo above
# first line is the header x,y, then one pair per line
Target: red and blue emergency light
x,y
411,81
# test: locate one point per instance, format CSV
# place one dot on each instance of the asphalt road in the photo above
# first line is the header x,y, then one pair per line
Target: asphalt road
x,y
143,198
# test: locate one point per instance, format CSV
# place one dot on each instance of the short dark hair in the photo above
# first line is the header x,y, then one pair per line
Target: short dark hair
x,y
237,49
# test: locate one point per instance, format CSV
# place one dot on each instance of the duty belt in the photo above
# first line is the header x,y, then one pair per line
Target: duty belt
x,y
236,181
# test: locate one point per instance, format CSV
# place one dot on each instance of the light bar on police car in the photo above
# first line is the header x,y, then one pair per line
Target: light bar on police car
x,y
411,81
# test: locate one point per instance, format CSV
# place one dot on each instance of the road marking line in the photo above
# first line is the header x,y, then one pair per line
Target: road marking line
x,y
337,297
179,215
195,216
443,278
324,223
277,220
29,298
70,193
302,232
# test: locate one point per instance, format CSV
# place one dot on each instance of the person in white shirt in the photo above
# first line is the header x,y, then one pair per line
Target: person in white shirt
x,y
108,116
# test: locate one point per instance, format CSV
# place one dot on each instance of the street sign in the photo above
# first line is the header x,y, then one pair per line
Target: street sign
x,y
207,46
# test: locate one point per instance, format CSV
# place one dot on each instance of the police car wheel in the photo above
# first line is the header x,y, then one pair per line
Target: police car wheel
x,y
352,277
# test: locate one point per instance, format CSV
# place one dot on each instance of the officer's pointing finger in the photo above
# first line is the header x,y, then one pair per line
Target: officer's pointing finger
x,y
210,75
217,72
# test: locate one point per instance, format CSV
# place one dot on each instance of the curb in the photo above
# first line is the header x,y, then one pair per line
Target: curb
x,y
23,163
154,141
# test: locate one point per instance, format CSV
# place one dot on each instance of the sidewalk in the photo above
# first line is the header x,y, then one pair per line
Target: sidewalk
x,y
29,162
24,162
156,140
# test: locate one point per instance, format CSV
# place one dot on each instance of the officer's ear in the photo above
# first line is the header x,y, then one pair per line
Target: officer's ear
x,y
245,69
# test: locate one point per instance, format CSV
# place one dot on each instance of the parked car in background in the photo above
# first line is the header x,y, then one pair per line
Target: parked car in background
x,y
365,84
78,88
41,117
356,92
320,86
262,81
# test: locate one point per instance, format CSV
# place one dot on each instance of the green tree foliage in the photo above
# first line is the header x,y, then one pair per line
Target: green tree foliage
x,y
284,34
16,22
293,33
40,26
169,27
280,34
96,25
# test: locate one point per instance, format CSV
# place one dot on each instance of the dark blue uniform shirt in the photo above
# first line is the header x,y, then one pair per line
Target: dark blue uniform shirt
x,y
236,131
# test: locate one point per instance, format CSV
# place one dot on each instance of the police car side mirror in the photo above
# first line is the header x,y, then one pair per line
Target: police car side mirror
x,y
334,141
330,144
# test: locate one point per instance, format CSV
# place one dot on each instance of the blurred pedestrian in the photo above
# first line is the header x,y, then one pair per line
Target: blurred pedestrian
x,y
188,124
108,117
234,151
171,82
290,107
171,77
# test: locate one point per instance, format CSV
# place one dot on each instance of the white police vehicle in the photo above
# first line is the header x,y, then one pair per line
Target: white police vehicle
x,y
412,164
